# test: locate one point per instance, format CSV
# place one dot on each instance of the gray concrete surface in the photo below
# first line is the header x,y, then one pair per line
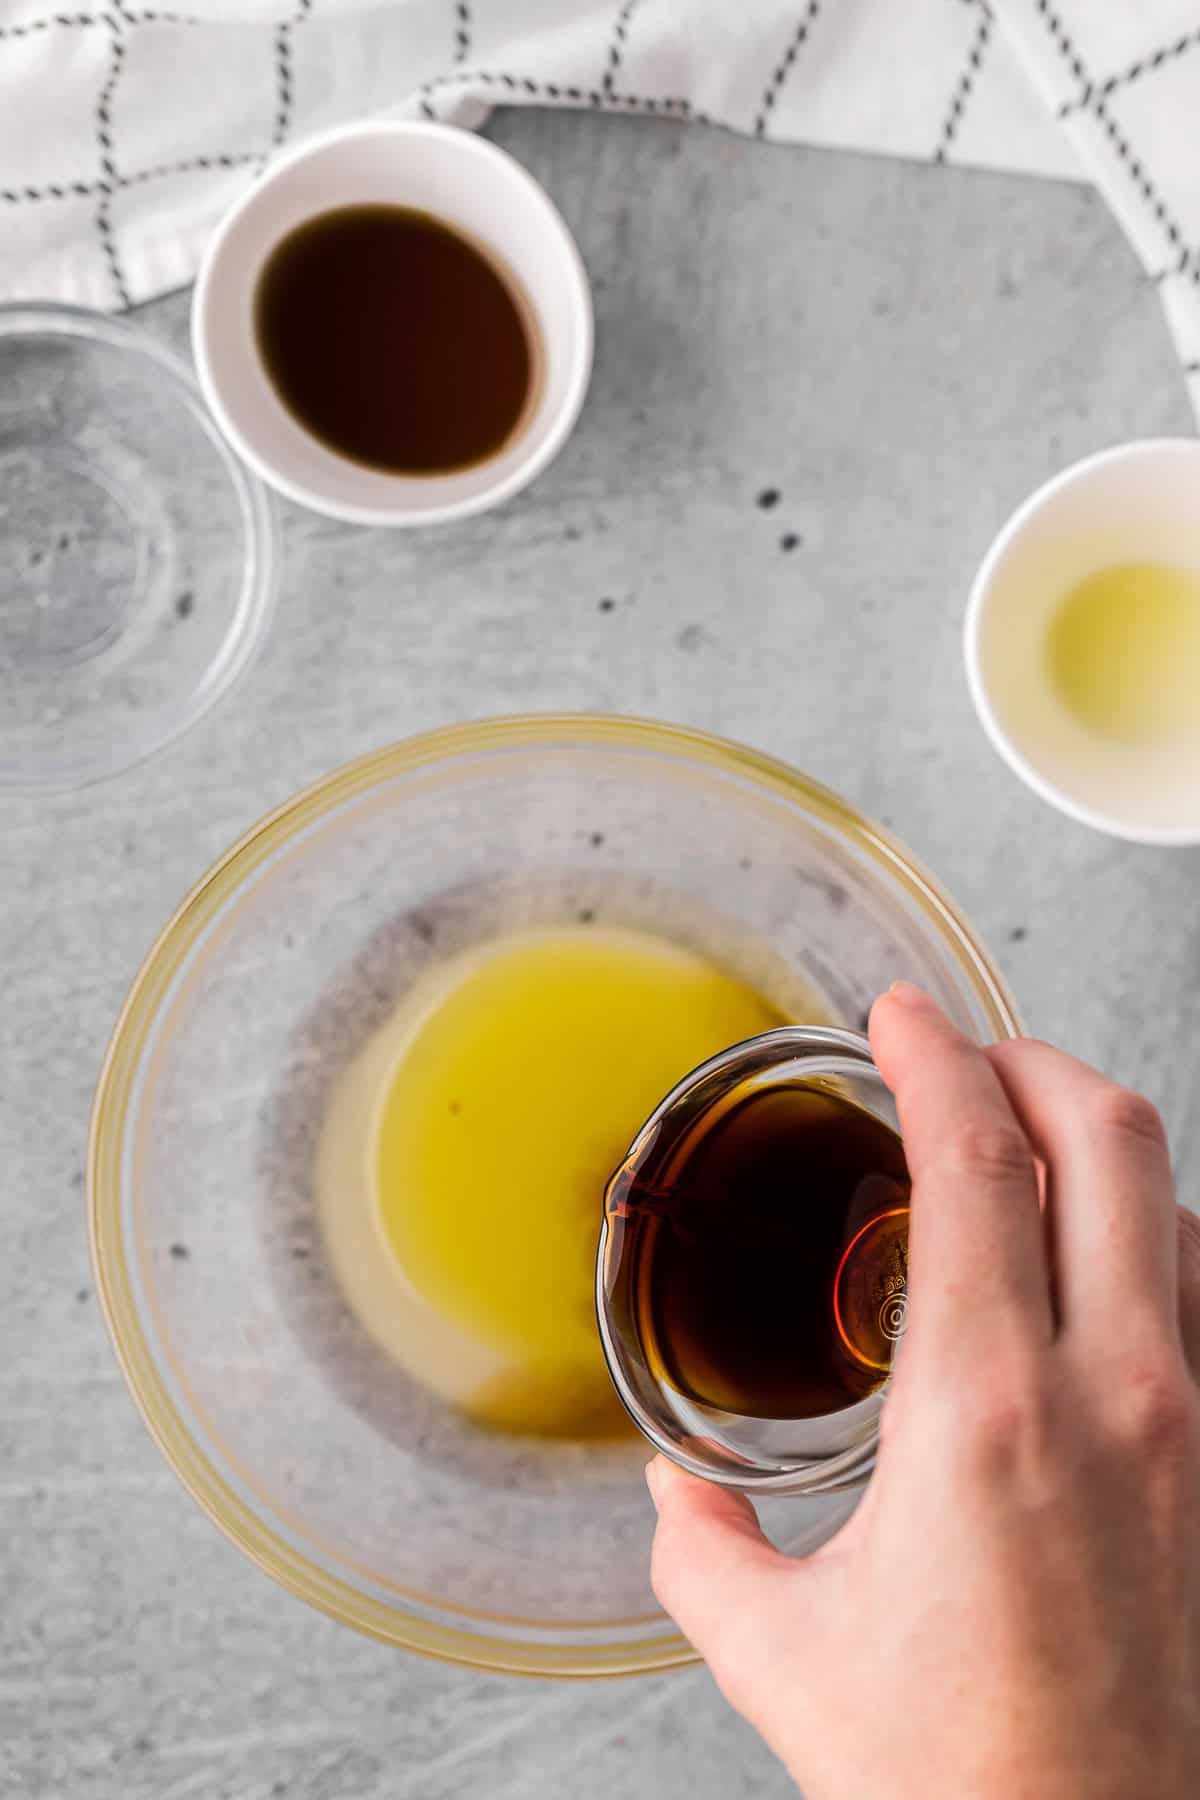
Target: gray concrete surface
x,y
903,353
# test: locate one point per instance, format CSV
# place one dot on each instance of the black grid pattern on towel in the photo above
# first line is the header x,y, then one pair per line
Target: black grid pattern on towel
x,y
1092,94
965,85
121,22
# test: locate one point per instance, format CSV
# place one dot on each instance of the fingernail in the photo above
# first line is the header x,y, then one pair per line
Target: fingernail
x,y
654,1474
905,993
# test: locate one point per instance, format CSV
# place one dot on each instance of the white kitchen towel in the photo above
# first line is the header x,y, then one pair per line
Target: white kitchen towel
x,y
126,131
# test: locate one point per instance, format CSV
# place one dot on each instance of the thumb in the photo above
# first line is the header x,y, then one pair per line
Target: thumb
x,y
715,1573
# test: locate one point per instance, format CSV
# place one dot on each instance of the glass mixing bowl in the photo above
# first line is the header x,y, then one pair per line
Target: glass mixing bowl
x,y
329,1467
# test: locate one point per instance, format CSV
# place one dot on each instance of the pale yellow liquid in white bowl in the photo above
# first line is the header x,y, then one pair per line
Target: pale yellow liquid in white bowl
x,y
1123,651
463,1162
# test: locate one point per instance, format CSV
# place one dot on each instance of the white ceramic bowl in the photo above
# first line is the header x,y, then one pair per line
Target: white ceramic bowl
x,y
1137,503
468,183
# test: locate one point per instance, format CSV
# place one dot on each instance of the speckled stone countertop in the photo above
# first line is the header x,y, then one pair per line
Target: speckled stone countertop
x,y
822,381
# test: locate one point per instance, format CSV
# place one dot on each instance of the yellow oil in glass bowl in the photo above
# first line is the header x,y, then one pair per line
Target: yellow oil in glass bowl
x,y
462,1168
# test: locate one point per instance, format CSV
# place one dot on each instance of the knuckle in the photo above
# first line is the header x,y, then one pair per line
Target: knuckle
x,y
1157,1407
997,1153
1007,1420
1127,1118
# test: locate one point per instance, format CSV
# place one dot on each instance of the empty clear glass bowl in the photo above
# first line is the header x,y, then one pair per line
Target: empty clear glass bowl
x,y
137,559
331,1468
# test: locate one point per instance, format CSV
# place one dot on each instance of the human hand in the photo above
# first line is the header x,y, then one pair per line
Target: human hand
x,y
1014,1609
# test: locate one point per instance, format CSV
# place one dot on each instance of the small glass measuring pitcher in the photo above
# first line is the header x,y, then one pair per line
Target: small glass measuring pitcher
x,y
866,1292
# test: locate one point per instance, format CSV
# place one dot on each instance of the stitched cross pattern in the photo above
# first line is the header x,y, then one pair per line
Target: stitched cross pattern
x,y
125,131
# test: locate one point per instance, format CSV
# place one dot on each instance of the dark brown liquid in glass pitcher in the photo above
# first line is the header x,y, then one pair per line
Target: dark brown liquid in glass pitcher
x,y
766,1268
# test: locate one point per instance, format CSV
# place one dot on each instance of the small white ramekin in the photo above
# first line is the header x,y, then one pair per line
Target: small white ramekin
x,y
468,183
1138,503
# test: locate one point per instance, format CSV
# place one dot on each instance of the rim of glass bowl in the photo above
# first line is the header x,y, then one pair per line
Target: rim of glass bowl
x,y
454,1636
257,578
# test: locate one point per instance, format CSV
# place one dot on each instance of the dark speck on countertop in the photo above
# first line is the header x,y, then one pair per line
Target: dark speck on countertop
x,y
691,638
180,1252
768,498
